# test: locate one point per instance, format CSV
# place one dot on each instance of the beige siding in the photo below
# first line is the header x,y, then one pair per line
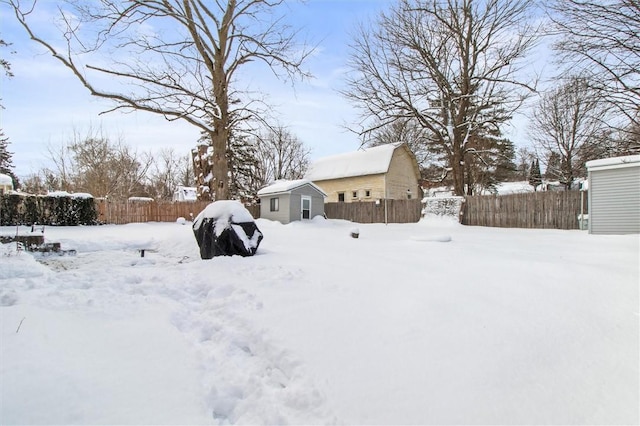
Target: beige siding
x,y
402,176
359,184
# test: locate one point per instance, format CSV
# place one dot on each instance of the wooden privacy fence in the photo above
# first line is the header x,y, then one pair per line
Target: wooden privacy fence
x,y
549,209
154,211
391,211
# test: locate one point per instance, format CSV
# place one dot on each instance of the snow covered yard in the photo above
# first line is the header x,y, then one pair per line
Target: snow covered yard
x,y
427,323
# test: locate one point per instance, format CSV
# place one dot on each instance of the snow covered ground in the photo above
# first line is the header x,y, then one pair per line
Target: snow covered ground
x,y
428,323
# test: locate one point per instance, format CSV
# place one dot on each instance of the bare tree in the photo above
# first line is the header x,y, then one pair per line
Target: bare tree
x,y
601,39
176,58
568,126
525,157
410,132
280,155
166,172
450,65
94,164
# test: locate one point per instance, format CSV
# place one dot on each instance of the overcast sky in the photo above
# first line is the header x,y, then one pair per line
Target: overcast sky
x,y
44,104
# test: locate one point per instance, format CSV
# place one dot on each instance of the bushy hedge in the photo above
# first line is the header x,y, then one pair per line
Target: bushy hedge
x,y
47,210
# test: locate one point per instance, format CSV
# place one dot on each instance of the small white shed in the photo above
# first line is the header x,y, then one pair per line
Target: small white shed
x,y
6,183
185,193
614,195
290,200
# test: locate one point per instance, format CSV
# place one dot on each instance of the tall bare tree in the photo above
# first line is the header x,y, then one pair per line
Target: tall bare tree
x,y
601,39
280,155
453,66
176,58
569,127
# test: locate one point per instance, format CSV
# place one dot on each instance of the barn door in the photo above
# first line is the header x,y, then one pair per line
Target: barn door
x,y
305,207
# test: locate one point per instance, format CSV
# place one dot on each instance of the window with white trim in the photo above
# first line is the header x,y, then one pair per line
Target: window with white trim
x,y
274,204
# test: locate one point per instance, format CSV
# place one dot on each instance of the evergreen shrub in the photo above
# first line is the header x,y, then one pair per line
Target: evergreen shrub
x,y
64,210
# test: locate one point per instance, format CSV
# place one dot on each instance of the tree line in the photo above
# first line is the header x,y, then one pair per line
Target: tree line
x,y
110,168
445,76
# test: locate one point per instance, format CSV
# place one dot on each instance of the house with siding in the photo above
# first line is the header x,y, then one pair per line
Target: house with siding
x,y
614,195
388,171
290,200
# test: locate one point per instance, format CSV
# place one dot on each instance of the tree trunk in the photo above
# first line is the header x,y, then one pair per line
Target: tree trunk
x,y
457,170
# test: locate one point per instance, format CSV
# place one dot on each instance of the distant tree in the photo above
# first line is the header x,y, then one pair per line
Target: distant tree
x,y
165,174
406,130
451,66
6,159
524,158
41,182
185,171
93,163
570,121
535,177
488,162
280,155
553,169
601,39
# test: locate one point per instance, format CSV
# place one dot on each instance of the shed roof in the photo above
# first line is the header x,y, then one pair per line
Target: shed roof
x,y
614,162
284,186
368,161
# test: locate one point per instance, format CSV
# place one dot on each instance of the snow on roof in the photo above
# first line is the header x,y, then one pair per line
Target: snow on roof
x,y
6,180
69,194
368,161
615,161
81,195
58,194
281,186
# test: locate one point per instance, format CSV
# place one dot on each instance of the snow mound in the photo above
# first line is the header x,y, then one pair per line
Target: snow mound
x,y
432,238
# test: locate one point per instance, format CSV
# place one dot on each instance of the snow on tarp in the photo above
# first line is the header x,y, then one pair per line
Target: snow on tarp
x,y
368,161
286,186
226,228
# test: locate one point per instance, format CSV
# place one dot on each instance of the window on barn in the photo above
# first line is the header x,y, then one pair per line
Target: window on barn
x,y
367,193
341,197
274,204
354,194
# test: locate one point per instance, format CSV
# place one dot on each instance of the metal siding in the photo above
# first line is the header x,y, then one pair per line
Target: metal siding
x,y
614,201
317,202
295,208
282,215
317,206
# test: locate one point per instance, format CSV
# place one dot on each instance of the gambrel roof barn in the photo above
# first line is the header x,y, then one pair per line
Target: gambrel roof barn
x,y
384,172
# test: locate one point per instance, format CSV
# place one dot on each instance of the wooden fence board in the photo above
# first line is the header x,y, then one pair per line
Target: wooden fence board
x,y
549,209
397,211
136,212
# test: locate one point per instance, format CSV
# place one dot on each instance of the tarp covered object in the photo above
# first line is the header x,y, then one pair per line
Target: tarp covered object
x,y
226,228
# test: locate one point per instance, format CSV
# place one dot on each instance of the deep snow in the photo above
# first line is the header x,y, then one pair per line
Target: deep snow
x,y
408,324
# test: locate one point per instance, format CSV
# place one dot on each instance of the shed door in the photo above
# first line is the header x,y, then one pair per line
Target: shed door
x,y
306,207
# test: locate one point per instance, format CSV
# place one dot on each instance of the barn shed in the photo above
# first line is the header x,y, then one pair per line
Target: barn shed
x,y
614,195
387,171
290,200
